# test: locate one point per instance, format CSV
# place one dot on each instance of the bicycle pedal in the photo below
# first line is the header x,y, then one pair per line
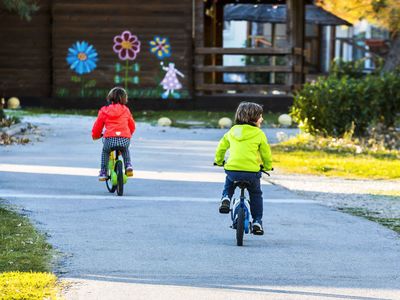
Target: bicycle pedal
x,y
129,173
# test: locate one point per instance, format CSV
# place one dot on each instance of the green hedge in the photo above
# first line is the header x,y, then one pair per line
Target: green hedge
x,y
335,105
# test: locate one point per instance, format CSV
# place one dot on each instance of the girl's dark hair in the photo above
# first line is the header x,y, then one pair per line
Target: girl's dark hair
x,y
117,95
248,113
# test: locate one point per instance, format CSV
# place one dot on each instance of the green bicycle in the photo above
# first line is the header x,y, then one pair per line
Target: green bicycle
x,y
116,177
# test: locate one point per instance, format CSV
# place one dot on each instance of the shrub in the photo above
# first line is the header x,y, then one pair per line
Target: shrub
x,y
335,105
353,69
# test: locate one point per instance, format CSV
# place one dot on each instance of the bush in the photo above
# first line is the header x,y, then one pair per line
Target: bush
x,y
338,104
353,69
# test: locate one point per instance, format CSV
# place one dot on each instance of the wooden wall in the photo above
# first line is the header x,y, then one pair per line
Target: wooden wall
x,y
25,53
33,60
97,22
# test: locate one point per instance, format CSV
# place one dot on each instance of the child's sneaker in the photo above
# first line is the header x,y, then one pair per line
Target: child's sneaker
x,y
129,170
257,228
103,175
224,207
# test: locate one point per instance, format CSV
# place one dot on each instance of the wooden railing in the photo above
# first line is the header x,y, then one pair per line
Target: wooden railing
x,y
216,86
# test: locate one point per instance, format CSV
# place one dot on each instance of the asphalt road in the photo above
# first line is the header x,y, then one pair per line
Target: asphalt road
x,y
164,239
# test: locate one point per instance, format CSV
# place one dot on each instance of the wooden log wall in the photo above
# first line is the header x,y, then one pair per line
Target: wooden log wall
x,y
25,53
97,22
34,63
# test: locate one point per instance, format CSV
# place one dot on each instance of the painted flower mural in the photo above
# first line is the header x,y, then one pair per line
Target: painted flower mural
x,y
160,47
82,57
127,46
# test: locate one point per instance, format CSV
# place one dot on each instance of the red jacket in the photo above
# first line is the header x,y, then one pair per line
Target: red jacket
x,y
117,120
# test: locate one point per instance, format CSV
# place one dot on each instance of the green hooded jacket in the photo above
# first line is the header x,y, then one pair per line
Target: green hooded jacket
x,y
248,147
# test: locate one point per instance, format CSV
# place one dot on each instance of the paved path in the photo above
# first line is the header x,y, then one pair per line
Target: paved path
x,y
165,240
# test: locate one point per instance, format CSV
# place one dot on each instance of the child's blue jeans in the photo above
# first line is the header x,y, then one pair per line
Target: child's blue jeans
x,y
255,193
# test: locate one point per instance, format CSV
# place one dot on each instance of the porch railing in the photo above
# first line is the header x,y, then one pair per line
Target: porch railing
x,y
213,84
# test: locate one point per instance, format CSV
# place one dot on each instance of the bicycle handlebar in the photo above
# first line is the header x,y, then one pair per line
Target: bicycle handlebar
x,y
215,164
261,168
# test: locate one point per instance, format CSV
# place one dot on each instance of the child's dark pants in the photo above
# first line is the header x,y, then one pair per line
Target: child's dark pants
x,y
109,143
256,200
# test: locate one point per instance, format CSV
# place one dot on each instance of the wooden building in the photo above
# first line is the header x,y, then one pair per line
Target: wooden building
x,y
72,52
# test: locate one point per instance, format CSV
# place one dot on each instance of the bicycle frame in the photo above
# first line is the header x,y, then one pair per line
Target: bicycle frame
x,y
114,157
245,204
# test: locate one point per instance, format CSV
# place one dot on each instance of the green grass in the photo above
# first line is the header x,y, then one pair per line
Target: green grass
x,y
180,118
23,248
336,164
25,259
392,223
307,154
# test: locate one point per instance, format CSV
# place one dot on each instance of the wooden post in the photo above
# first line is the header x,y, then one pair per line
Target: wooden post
x,y
52,81
249,39
273,58
198,42
219,37
319,46
332,46
295,35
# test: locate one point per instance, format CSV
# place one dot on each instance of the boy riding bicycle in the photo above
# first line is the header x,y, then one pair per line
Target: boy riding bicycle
x,y
118,124
250,154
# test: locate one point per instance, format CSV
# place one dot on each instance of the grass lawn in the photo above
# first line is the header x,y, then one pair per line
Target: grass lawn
x,y
347,165
25,259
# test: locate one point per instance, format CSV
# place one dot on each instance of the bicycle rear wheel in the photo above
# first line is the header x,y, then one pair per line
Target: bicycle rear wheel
x,y
240,227
120,178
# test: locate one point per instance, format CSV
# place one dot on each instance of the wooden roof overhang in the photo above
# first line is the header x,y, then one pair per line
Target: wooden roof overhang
x,y
267,13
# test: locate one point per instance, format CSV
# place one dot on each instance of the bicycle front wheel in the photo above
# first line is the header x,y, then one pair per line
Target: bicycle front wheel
x,y
240,226
120,178
110,187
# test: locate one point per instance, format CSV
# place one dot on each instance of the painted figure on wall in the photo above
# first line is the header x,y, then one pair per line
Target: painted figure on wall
x,y
170,83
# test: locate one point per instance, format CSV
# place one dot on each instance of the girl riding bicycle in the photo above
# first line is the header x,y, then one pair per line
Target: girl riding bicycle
x,y
118,124
250,154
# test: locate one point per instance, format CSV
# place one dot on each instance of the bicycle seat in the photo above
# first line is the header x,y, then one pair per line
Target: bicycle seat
x,y
117,148
242,184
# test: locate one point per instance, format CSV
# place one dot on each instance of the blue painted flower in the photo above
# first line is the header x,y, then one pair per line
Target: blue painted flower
x,y
82,57
160,47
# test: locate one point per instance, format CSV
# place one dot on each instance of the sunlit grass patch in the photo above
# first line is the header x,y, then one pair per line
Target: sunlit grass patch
x,y
335,164
306,154
342,157
391,193
25,259
28,285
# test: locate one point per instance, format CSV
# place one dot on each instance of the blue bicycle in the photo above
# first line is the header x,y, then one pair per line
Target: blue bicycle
x,y
240,213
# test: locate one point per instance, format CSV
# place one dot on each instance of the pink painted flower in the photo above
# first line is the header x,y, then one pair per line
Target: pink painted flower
x,y
126,45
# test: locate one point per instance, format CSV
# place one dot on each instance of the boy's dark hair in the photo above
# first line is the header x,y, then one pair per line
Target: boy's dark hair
x,y
117,95
248,113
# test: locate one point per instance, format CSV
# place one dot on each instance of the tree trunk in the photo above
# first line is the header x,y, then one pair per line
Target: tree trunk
x,y
392,60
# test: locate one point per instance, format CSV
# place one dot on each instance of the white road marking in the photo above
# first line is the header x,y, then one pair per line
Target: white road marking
x,y
137,174
136,198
